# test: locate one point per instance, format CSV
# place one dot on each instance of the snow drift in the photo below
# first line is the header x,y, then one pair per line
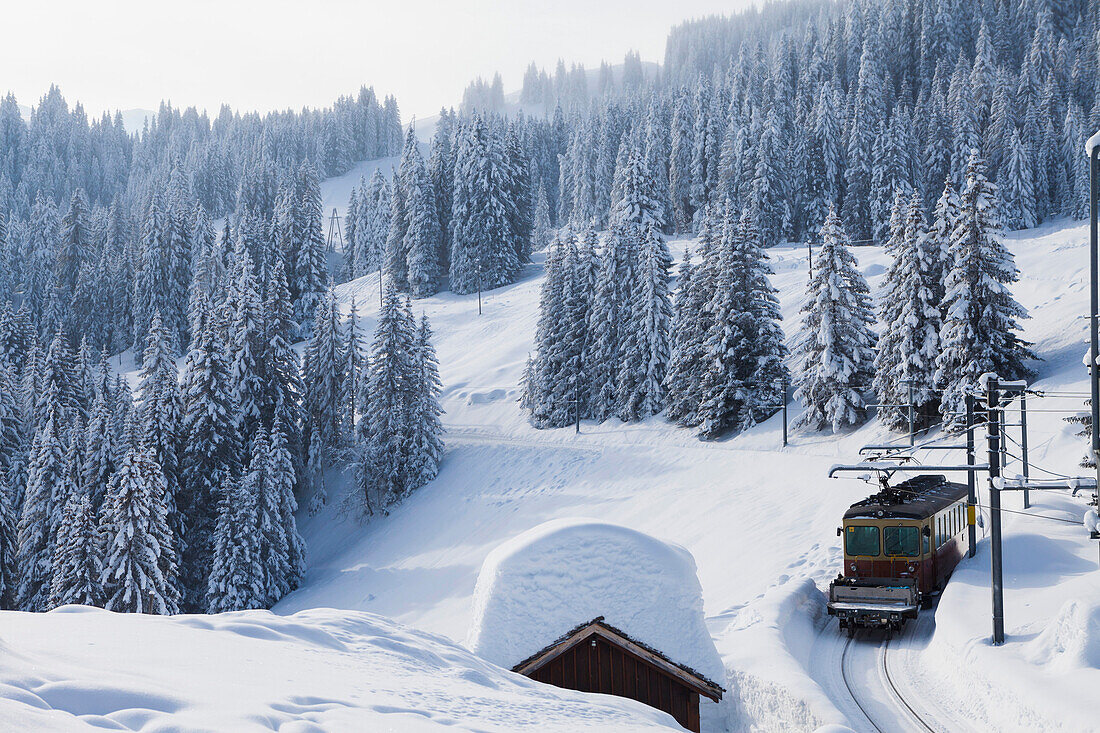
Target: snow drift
x,y
82,668
536,587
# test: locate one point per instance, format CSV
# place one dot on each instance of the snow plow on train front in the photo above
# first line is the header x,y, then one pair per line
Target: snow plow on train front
x,y
900,547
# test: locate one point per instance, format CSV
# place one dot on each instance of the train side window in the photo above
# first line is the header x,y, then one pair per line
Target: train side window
x,y
861,540
926,541
939,531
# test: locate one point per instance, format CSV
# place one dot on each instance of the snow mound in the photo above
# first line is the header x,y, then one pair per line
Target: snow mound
x,y
1070,641
546,581
82,668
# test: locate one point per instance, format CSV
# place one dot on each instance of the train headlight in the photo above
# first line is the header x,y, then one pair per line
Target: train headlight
x,y
912,569
853,567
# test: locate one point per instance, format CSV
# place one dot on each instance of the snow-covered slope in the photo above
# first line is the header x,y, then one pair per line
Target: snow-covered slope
x,y
80,668
759,519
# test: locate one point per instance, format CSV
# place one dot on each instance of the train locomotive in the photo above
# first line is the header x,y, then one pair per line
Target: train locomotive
x,y
900,547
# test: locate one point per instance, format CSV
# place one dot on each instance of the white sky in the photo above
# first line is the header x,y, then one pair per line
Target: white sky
x,y
273,54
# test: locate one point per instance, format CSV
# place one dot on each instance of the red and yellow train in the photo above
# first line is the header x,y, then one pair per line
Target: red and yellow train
x,y
900,547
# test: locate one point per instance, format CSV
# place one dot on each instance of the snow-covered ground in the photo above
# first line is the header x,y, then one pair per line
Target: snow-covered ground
x,y
759,520
80,668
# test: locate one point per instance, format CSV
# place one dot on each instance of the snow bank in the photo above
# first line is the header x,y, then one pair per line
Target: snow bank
x,y
80,668
541,584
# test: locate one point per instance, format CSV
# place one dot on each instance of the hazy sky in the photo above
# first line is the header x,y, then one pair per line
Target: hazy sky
x,y
120,54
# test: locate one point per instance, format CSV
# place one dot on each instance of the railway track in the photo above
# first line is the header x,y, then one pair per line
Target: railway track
x,y
873,715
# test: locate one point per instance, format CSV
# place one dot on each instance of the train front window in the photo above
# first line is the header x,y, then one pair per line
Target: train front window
x,y
901,541
861,541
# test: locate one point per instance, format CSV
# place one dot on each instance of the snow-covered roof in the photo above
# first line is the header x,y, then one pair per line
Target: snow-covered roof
x,y
536,587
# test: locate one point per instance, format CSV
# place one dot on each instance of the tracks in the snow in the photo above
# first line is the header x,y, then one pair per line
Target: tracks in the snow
x,y
872,711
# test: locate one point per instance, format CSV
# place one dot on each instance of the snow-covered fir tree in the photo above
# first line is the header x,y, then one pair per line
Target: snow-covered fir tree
x,y
138,555
38,523
324,376
9,547
836,348
645,350
383,464
980,330
211,454
909,309
237,570
77,566
425,435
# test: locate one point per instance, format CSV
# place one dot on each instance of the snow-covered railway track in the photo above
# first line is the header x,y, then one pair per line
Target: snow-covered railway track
x,y
848,684
897,693
881,715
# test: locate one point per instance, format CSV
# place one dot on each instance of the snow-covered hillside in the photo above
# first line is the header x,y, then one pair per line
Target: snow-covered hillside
x,y
759,519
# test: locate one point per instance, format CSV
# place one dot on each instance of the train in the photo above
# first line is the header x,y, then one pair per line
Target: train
x,y
900,547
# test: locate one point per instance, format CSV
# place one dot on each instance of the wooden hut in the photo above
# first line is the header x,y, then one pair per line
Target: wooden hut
x,y
597,657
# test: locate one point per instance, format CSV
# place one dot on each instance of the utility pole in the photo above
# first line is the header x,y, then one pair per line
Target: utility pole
x,y
971,489
479,289
1023,448
334,227
783,386
1094,338
379,286
911,425
810,257
993,435
577,395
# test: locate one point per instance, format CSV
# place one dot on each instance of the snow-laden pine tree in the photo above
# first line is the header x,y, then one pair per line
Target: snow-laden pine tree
x,y
159,417
945,217
423,240
397,253
245,341
324,376
383,462
980,330
9,547
237,570
425,436
645,350
283,480
557,377
11,422
688,335
742,375
610,319
836,348
100,449
1015,186
682,143
310,268
483,253
77,566
37,529
909,310
210,457
542,233
138,567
